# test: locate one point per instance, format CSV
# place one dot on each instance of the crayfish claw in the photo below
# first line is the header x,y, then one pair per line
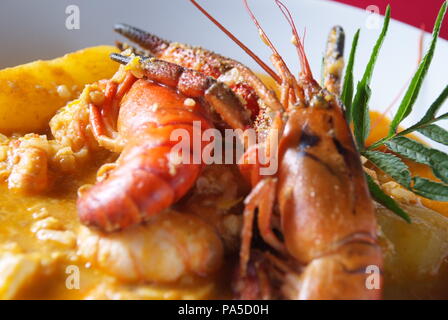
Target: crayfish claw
x,y
144,39
124,46
120,58
333,65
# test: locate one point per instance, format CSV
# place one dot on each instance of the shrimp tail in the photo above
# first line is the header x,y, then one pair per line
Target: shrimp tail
x,y
147,173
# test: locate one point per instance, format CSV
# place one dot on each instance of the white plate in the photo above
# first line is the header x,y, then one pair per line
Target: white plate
x,y
31,30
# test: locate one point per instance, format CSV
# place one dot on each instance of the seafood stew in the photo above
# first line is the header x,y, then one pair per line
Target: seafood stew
x,y
160,170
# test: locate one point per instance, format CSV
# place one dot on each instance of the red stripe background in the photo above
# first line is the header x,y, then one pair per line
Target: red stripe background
x,y
414,12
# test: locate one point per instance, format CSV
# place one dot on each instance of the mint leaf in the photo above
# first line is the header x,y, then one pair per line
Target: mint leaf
x,y
413,150
347,88
430,115
410,149
430,189
391,165
435,133
360,113
411,95
386,200
440,167
360,107
429,118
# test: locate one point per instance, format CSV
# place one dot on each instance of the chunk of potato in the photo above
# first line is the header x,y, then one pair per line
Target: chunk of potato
x,y
415,260
31,93
15,271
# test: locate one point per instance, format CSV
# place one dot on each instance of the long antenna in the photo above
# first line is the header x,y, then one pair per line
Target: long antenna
x,y
239,43
264,36
297,43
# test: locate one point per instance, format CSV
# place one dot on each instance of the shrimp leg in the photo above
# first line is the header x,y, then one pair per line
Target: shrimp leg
x,y
263,198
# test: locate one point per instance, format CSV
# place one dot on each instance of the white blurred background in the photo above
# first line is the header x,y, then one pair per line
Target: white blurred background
x,y
35,29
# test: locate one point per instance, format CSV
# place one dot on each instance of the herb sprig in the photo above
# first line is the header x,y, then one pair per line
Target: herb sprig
x,y
357,113
347,88
360,104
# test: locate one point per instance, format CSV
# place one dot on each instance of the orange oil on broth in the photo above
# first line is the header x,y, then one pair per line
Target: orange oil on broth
x,y
17,216
380,129
16,221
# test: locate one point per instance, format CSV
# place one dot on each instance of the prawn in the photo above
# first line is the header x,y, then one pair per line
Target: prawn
x,y
318,199
150,102
166,249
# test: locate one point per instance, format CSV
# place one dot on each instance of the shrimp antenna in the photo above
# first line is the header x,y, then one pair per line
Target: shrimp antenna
x,y
297,41
264,36
260,62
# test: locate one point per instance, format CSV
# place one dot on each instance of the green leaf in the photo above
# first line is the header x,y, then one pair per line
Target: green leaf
x,y
410,149
360,113
411,95
391,165
386,200
413,150
443,116
347,88
435,133
434,108
360,108
429,118
430,189
376,49
439,164
440,169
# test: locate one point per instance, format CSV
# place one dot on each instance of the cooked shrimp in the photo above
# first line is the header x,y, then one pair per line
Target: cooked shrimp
x,y
318,199
70,126
153,100
29,169
169,247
